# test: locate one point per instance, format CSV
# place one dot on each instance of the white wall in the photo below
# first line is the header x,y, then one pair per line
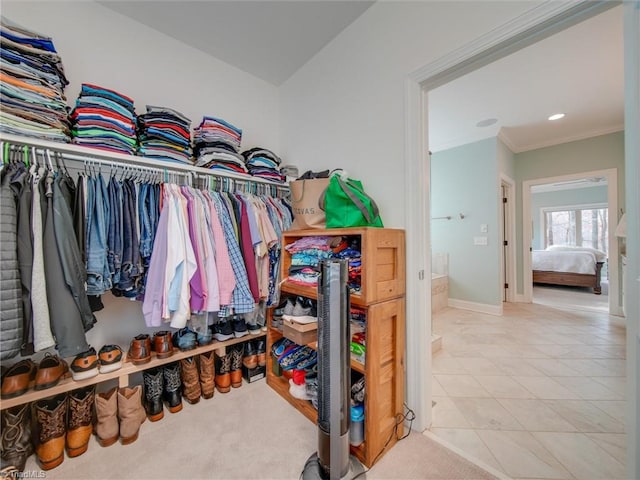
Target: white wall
x,y
345,107
100,46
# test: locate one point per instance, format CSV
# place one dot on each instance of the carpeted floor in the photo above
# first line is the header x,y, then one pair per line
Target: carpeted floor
x,y
250,432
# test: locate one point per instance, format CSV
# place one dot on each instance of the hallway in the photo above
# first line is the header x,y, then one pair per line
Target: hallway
x,y
537,393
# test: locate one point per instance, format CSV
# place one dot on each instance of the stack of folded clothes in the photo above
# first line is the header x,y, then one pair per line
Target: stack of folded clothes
x,y
165,134
32,85
264,163
306,254
105,119
216,144
350,251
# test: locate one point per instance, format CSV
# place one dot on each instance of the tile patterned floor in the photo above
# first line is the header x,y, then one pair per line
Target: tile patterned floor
x,y
537,393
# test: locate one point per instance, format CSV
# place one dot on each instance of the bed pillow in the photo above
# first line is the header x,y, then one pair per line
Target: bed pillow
x,y
600,255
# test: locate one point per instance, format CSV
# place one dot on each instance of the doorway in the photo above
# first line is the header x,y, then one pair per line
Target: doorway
x,y
534,233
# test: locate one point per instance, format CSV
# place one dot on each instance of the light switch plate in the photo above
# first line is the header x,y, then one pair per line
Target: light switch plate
x,y
480,240
484,228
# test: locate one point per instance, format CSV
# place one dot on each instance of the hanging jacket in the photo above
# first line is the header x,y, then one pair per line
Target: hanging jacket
x,y
10,287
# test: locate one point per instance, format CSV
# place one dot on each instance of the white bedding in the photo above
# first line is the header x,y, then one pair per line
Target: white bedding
x,y
564,261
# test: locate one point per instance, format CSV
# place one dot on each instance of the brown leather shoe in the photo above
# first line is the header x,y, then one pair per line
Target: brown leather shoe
x,y
140,349
162,344
16,436
51,415
190,381
80,420
16,381
50,370
207,374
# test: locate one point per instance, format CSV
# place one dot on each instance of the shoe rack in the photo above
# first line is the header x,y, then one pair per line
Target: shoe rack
x,y
382,296
67,383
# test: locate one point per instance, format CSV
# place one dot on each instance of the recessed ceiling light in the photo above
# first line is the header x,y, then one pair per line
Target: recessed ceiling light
x,y
486,122
556,116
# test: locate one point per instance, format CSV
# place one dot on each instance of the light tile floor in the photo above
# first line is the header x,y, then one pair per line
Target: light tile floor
x,y
537,393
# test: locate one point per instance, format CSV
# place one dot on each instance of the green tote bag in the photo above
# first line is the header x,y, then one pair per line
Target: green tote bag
x,y
347,205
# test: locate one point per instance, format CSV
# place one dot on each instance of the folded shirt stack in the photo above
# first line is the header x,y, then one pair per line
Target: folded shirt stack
x,y
264,163
165,134
216,144
104,119
306,254
32,82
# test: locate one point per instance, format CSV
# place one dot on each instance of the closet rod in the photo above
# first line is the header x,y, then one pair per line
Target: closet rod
x,y
67,149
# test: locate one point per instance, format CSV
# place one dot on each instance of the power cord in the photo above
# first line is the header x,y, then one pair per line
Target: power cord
x,y
400,419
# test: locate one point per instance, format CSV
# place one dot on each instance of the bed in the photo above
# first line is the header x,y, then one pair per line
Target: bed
x,y
569,265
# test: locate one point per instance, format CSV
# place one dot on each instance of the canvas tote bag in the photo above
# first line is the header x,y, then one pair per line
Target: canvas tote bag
x,y
305,197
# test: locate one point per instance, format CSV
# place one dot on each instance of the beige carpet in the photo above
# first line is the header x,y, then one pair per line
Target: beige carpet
x,y
250,432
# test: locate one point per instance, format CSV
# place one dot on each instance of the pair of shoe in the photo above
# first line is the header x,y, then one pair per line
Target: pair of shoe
x,y
162,384
120,414
88,364
229,369
302,310
47,374
227,328
255,354
198,377
64,421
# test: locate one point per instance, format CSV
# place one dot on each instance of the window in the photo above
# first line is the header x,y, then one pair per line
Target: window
x,y
581,226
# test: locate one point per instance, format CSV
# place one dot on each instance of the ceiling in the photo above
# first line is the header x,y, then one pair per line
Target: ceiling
x,y
268,39
578,71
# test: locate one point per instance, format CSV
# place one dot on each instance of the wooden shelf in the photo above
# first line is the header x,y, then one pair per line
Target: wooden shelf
x,y
382,299
355,365
67,383
312,292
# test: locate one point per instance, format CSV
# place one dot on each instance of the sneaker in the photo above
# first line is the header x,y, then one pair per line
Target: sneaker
x,y
254,329
205,338
239,326
222,330
184,339
288,307
279,346
110,358
302,308
85,365
357,391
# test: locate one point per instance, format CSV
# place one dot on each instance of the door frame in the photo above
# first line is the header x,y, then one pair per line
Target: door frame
x,y
540,22
611,174
509,236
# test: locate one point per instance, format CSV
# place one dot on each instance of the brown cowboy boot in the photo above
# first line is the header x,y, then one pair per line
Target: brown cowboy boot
x,y
131,413
223,377
236,365
16,436
207,374
80,421
190,382
107,429
51,421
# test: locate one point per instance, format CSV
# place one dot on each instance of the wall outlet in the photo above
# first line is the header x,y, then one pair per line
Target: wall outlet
x,y
480,240
484,228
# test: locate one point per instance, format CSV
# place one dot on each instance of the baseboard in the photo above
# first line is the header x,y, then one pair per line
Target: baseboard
x,y
476,307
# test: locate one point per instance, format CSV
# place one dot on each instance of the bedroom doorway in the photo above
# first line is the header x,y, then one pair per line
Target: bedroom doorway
x,y
572,210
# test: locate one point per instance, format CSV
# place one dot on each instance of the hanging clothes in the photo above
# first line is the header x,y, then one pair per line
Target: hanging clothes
x,y
10,286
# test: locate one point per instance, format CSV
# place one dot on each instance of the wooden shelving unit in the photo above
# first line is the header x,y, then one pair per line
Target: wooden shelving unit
x,y
382,297
67,383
